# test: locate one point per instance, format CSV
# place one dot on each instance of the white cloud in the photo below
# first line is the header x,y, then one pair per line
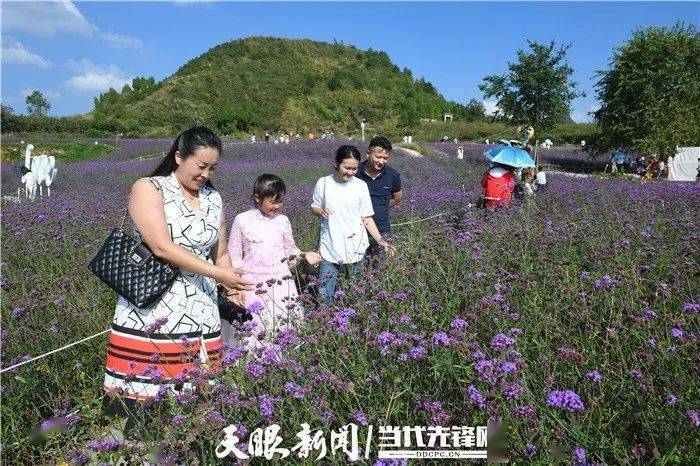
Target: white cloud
x,y
491,107
15,52
51,18
93,78
119,41
45,18
582,116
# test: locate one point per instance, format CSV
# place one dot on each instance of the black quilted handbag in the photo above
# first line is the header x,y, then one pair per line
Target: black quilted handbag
x,y
130,268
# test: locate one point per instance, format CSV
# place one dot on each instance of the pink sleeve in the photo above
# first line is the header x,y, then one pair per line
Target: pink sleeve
x,y
235,244
290,248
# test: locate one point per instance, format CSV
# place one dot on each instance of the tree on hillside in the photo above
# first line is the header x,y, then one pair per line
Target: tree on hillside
x,y
475,110
37,105
650,96
537,90
6,110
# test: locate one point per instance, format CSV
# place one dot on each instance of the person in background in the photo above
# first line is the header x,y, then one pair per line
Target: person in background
x,y
652,168
619,159
662,168
529,181
384,184
498,183
460,153
541,179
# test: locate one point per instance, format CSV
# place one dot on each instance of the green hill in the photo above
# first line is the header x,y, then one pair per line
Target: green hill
x,y
262,83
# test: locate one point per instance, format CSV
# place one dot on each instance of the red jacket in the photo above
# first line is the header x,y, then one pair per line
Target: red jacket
x,y
498,185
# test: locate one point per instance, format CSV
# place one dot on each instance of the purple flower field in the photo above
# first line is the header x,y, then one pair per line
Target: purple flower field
x,y
572,319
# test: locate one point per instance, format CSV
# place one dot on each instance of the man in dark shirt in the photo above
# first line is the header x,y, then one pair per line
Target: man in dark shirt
x,y
384,184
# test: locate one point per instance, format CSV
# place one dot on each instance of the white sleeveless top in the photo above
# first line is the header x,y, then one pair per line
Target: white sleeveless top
x,y
191,303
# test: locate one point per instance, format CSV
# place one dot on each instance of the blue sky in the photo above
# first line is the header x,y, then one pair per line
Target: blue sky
x,y
73,51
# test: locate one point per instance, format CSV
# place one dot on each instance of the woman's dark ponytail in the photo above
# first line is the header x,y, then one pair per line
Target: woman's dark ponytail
x,y
187,143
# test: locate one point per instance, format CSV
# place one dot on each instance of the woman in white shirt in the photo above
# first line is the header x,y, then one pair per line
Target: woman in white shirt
x,y
541,179
343,202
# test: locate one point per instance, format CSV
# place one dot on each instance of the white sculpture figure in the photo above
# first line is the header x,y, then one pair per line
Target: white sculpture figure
x,y
28,177
405,139
583,144
49,174
38,171
28,156
410,139
252,138
39,164
30,184
487,142
547,144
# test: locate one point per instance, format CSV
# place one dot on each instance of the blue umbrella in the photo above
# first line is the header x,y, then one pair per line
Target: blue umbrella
x,y
619,156
511,156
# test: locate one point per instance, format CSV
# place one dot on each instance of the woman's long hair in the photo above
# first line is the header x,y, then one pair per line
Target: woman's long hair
x,y
187,143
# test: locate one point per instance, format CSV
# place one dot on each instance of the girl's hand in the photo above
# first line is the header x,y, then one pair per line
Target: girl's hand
x,y
231,277
313,258
325,212
388,248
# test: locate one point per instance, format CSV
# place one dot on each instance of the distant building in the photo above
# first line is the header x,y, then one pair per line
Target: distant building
x,y
447,117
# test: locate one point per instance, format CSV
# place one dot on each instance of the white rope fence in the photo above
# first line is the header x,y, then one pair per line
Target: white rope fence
x,y
36,358
419,220
54,351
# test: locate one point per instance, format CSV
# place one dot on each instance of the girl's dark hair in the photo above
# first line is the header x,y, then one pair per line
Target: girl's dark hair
x,y
267,185
187,143
346,151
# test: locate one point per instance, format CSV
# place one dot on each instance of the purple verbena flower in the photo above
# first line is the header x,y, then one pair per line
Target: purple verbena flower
x,y
565,399
459,323
441,339
691,308
502,341
530,451
512,390
155,325
476,397
359,416
508,367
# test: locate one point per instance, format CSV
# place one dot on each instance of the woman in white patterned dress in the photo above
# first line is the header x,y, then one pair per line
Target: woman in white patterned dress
x,y
178,214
